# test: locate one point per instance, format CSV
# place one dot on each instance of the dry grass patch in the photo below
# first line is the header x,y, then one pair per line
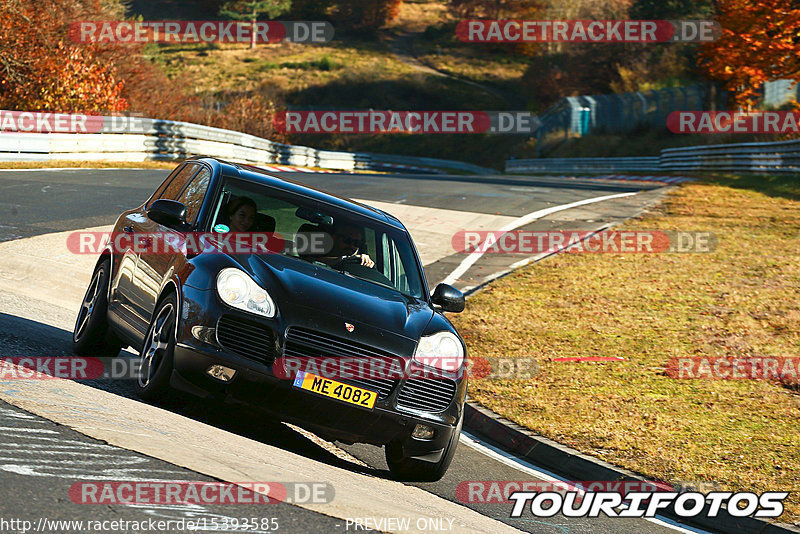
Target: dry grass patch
x,y
742,300
415,16
287,67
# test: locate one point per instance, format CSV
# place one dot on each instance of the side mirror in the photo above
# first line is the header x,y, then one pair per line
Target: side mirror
x,y
449,298
170,213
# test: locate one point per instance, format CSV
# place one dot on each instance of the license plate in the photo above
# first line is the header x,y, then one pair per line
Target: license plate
x,y
336,390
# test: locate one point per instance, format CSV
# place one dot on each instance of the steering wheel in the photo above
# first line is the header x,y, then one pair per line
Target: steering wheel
x,y
347,260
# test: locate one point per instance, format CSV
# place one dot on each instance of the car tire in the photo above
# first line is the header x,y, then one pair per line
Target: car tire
x,y
413,470
158,351
91,335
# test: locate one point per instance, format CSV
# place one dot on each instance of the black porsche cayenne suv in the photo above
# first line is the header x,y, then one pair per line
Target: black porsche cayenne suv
x,y
242,324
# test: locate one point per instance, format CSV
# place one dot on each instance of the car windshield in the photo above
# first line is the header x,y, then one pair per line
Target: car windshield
x,y
321,234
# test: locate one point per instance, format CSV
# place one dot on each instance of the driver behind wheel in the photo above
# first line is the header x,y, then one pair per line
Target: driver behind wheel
x,y
347,240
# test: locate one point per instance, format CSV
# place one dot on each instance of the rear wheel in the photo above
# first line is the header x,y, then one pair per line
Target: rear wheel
x,y
158,350
413,470
91,334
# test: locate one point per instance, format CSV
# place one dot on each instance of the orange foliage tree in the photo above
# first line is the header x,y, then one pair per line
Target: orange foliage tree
x,y
364,15
760,42
501,9
41,70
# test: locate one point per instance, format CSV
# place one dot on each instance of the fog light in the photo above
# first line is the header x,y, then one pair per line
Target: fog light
x,y
206,334
422,432
221,372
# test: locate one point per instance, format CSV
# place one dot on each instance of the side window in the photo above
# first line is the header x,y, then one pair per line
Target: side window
x,y
177,184
165,183
402,279
387,262
369,242
194,194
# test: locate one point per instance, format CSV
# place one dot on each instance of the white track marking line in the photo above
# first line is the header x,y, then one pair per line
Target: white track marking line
x,y
70,448
474,256
46,169
532,259
61,452
42,462
542,474
22,429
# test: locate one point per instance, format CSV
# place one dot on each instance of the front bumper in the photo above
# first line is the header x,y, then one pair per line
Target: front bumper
x,y
256,385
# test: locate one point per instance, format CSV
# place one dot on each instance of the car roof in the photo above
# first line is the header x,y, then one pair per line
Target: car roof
x,y
257,174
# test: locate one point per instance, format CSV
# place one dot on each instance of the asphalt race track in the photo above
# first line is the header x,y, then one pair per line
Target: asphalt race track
x,y
55,434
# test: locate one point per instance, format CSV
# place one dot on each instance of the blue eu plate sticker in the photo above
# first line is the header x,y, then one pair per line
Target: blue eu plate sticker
x,y
221,228
298,380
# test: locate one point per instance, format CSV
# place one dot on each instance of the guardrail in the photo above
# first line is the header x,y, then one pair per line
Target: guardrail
x,y
778,156
161,139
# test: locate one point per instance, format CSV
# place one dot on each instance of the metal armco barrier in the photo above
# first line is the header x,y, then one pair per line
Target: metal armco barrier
x,y
779,156
156,139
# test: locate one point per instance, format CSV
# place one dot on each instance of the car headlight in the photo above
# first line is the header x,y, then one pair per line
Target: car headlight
x,y
442,350
238,290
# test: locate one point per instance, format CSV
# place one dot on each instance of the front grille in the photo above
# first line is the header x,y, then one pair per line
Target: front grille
x,y
427,394
307,344
247,338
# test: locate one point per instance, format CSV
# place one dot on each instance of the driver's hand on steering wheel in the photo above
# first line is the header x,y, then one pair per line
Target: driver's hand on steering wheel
x,y
366,260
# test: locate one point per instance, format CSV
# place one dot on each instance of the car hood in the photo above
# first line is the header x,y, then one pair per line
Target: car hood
x,y
312,293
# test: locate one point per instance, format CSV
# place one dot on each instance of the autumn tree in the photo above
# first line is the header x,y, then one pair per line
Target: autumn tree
x,y
501,9
364,15
250,10
560,69
41,69
760,41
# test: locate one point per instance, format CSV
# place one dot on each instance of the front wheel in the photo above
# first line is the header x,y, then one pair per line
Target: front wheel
x,y
91,335
412,470
158,350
